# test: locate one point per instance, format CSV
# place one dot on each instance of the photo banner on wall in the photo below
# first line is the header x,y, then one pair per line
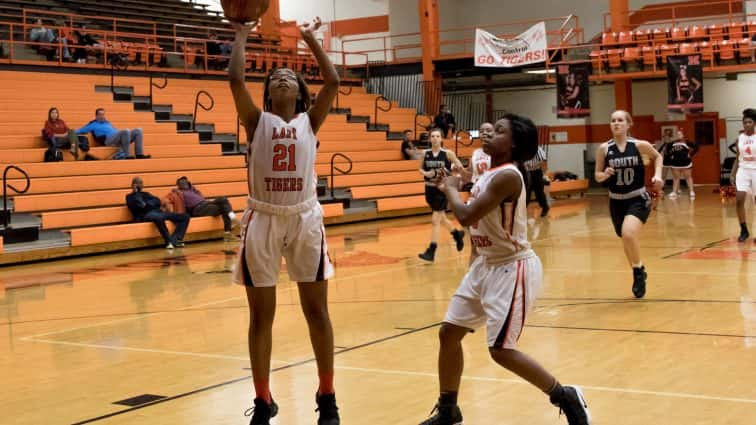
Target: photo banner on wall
x,y
685,84
572,90
527,48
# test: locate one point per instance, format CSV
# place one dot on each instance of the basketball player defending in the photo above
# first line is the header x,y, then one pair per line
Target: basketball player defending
x,y
284,218
503,280
619,162
744,169
435,160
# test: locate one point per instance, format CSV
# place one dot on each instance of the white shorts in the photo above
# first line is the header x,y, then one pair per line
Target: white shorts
x,y
300,238
498,296
745,180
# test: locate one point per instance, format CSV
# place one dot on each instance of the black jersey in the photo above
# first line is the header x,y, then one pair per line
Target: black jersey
x,y
431,162
680,154
629,177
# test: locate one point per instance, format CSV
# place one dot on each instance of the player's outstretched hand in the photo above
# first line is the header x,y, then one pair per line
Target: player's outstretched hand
x,y
309,28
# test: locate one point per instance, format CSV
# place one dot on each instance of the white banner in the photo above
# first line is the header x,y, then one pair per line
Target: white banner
x,y
528,47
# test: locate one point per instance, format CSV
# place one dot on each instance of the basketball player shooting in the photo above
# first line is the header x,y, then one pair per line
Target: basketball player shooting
x,y
284,218
503,279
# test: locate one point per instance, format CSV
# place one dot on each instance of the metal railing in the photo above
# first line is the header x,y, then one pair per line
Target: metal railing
x,y
198,104
118,63
334,167
427,127
157,86
6,216
342,93
377,107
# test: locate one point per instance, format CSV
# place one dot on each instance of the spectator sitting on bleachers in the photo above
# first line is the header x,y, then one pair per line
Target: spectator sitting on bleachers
x,y
445,121
217,53
409,150
57,135
105,133
42,34
187,197
145,207
86,40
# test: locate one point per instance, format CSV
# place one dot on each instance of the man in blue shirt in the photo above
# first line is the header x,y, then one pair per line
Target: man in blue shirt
x,y
104,132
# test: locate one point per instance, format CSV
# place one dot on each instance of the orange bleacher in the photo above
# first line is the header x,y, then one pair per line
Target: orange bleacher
x,y
86,198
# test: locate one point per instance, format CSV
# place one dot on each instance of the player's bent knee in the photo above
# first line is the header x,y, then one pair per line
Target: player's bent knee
x,y
451,334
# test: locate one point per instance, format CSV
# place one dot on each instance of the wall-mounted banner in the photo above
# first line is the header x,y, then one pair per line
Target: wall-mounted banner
x,y
528,47
572,90
685,84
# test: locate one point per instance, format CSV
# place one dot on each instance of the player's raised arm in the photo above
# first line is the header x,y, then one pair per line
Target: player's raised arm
x,y
322,107
249,113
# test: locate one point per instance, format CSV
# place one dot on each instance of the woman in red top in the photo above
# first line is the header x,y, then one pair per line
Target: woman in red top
x,y
58,135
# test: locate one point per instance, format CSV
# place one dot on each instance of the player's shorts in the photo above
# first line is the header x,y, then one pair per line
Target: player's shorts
x,y
497,296
745,180
639,206
435,198
268,236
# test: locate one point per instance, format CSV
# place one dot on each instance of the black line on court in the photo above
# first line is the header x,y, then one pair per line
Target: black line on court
x,y
701,249
713,244
405,329
244,378
644,331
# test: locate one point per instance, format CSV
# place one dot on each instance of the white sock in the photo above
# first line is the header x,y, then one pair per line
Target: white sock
x,y
637,266
232,215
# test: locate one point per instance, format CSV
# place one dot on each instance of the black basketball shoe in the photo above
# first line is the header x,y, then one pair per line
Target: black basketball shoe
x,y
262,412
573,405
459,238
639,281
329,413
744,235
445,414
430,253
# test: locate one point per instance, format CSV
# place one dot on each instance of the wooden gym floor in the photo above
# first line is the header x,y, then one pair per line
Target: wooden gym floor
x,y
80,335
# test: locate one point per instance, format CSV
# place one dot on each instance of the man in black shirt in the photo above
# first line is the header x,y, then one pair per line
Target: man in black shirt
x,y
445,120
147,207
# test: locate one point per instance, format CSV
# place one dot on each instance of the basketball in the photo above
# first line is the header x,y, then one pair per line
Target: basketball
x,y
244,10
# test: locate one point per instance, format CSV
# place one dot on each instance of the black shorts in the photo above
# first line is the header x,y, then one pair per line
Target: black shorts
x,y
681,160
435,198
639,207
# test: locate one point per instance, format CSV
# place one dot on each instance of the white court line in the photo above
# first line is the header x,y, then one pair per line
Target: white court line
x,y
142,316
147,350
588,387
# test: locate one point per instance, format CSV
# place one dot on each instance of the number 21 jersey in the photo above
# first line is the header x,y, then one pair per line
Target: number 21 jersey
x,y
282,160
629,172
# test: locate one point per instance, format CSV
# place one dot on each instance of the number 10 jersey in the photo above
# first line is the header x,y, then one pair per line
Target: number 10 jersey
x,y
281,160
629,172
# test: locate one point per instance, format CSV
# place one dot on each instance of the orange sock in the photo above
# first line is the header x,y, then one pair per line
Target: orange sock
x,y
326,383
262,389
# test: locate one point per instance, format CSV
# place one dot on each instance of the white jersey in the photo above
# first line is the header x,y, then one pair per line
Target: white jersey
x,y
747,151
282,160
501,235
481,162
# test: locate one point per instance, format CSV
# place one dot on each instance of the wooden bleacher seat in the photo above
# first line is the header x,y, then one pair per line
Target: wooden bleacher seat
x,y
568,187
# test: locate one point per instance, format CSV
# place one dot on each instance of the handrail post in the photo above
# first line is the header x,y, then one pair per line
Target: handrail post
x,y
333,167
6,185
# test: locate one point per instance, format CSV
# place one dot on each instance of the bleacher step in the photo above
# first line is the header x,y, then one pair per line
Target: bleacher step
x,y
378,127
358,119
48,239
361,207
22,228
394,135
